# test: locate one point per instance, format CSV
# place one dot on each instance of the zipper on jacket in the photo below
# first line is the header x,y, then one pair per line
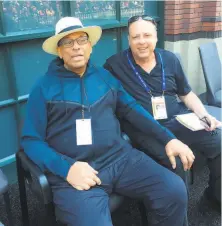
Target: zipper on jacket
x,y
84,93
82,98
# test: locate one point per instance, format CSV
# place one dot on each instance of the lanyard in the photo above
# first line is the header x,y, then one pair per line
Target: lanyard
x,y
141,79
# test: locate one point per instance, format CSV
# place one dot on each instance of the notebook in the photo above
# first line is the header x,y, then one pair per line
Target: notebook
x,y
191,121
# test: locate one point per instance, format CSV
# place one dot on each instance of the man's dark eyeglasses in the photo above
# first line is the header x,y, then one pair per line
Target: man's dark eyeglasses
x,y
68,42
143,17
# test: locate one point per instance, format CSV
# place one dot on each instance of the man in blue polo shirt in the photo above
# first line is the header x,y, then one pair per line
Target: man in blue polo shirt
x,y
154,77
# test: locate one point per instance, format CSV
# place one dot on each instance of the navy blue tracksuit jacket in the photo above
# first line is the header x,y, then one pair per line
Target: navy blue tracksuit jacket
x,y
55,102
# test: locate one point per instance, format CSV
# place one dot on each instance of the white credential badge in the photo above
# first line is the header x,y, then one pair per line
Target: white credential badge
x,y
83,132
159,107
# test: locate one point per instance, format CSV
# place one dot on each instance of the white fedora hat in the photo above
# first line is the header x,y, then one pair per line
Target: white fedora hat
x,y
66,26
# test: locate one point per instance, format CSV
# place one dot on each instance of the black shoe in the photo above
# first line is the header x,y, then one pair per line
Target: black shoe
x,y
207,202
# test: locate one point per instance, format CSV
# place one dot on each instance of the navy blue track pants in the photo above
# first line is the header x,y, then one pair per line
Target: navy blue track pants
x,y
137,176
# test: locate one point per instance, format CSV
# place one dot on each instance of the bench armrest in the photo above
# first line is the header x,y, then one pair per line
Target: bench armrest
x,y
34,177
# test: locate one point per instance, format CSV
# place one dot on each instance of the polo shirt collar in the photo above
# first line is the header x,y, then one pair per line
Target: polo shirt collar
x,y
158,63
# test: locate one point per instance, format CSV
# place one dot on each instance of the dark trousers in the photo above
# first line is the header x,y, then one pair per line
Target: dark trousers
x,y
208,144
137,176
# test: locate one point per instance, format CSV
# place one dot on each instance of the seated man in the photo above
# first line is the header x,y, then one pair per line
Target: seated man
x,y
71,132
154,77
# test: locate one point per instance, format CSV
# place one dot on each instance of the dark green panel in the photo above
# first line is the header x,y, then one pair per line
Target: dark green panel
x,y
22,109
124,37
1,19
151,8
8,132
11,172
30,62
93,11
106,47
26,15
161,10
131,8
5,91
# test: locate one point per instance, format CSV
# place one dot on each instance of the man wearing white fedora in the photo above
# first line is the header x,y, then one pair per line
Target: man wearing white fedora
x,y
71,132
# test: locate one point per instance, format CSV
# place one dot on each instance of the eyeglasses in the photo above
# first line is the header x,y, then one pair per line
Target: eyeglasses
x,y
143,17
68,42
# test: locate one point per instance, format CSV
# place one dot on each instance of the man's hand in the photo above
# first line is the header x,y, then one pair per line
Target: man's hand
x,y
177,148
212,122
82,176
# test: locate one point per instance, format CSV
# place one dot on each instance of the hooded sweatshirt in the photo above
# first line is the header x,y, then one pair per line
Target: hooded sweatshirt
x,y
58,99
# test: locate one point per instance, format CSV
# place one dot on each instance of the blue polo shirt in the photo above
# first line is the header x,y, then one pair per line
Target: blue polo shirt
x,y
176,82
